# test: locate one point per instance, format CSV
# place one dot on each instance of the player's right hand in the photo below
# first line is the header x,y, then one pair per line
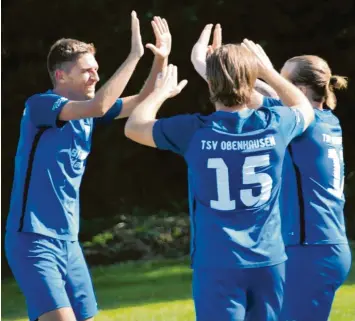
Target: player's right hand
x,y
137,49
264,63
162,34
167,82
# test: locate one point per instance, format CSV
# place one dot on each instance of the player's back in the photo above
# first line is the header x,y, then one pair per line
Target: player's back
x,y
320,180
235,164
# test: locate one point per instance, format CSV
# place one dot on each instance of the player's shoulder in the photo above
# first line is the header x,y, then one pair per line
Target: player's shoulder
x,y
279,113
325,122
326,116
269,114
183,124
43,97
195,120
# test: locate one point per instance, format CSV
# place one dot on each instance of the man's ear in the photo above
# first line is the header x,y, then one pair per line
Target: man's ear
x,y
59,76
303,89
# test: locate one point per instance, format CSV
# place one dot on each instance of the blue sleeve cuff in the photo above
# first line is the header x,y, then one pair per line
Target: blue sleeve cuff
x,y
112,113
158,135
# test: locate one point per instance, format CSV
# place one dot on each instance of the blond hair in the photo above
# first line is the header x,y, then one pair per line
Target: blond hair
x,y
231,73
314,72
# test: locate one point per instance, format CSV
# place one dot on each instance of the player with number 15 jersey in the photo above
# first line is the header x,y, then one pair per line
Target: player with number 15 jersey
x,y
234,162
234,157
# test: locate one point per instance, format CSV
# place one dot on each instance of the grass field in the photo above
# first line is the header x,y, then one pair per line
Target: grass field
x,y
152,291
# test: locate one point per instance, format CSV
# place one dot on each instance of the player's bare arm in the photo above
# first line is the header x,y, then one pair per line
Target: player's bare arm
x,y
113,88
161,51
288,93
139,126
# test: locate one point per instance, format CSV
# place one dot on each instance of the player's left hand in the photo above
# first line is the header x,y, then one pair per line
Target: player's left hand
x,y
167,82
201,49
163,39
264,63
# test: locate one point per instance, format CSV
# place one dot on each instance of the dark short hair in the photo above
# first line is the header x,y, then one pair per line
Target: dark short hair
x,y
66,50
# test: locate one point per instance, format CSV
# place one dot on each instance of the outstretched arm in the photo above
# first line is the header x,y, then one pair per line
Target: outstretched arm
x,y
161,51
113,88
290,95
139,126
261,90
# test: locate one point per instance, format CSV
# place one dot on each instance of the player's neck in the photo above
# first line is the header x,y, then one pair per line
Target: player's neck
x,y
231,109
316,104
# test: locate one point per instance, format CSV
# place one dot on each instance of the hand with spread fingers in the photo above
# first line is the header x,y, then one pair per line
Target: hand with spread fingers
x,y
264,63
162,34
167,82
201,49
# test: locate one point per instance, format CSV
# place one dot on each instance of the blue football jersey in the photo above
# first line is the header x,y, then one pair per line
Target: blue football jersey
x,y
318,165
49,165
234,168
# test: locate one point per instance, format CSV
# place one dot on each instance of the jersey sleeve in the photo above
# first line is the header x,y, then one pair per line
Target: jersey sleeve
x,y
44,109
290,122
112,113
271,102
175,133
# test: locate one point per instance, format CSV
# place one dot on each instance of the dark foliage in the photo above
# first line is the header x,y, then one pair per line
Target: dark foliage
x,y
120,174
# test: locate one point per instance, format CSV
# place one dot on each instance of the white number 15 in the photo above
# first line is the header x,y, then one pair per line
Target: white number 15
x,y
224,202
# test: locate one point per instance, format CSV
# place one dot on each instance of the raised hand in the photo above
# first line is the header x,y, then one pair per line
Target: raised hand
x,y
217,38
264,63
162,34
201,49
137,49
167,82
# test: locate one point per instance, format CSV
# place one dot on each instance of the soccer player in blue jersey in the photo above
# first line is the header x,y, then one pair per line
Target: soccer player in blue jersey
x,y
312,197
234,159
313,220
55,139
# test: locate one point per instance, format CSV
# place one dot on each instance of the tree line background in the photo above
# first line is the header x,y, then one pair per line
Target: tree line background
x,y
133,198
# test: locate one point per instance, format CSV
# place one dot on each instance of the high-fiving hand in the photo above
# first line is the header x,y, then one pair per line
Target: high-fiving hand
x,y
162,34
264,63
137,49
217,39
167,82
201,49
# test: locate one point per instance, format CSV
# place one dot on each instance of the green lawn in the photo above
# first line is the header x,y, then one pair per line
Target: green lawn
x,y
153,291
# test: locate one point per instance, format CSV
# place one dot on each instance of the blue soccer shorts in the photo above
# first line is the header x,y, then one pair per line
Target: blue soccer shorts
x,y
238,294
51,273
313,274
